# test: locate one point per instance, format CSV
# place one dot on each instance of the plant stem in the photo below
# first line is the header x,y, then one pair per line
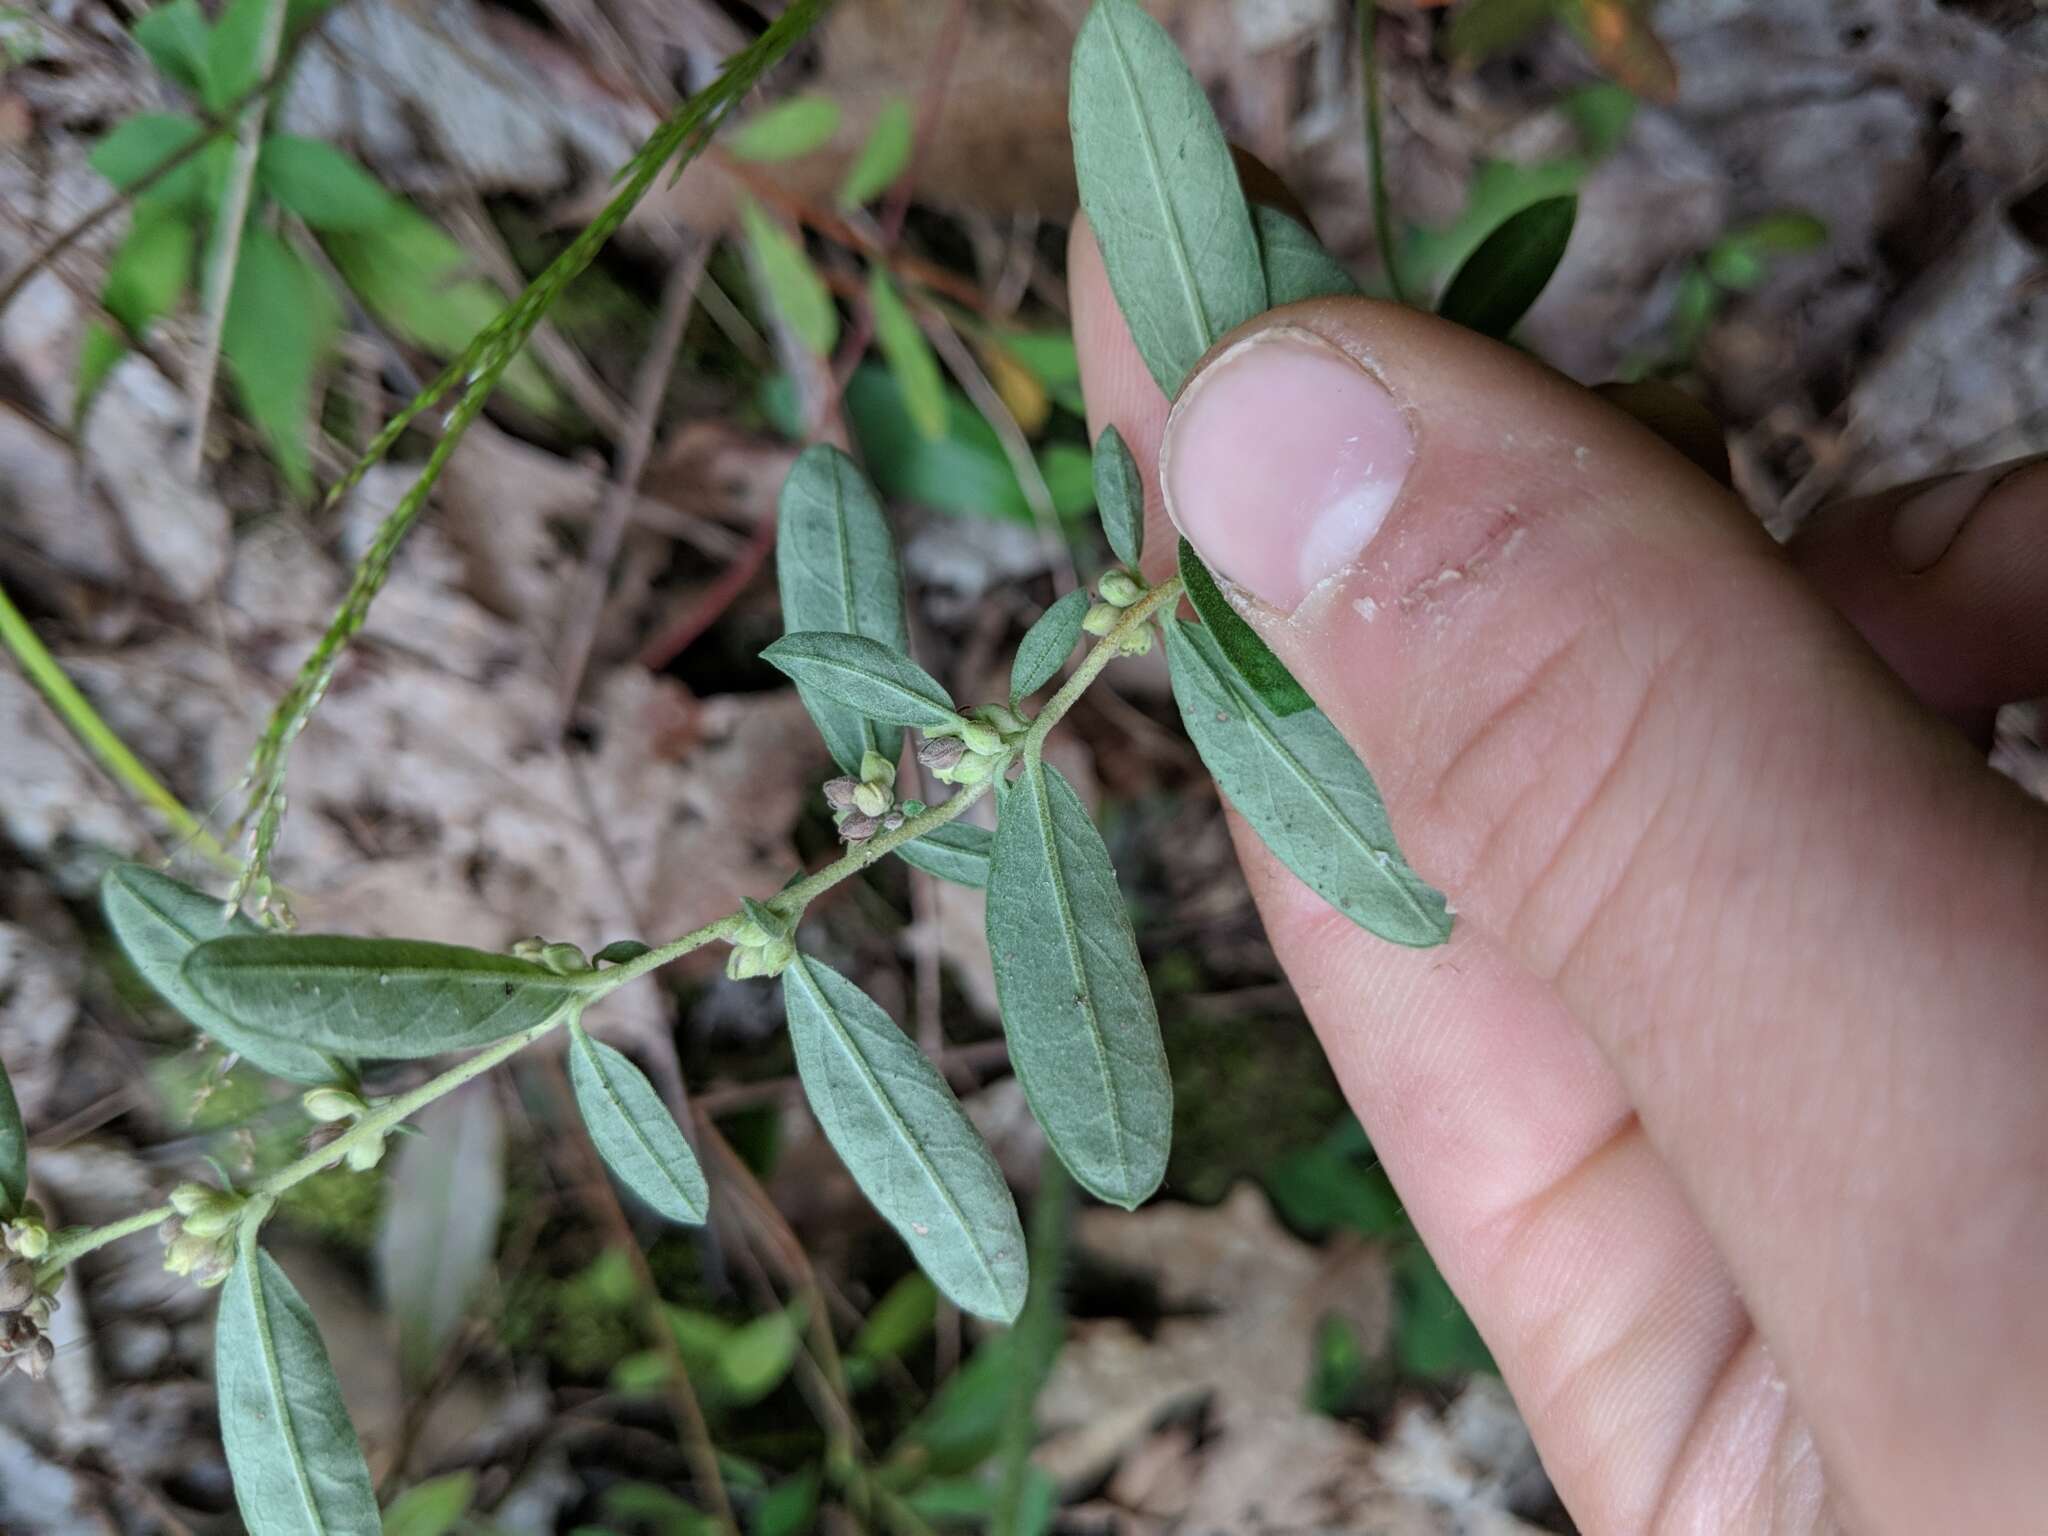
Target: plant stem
x,y
1375,146
1106,650
69,1245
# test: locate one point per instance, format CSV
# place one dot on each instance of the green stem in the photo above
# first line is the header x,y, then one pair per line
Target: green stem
x,y
1375,146
69,1245
1106,650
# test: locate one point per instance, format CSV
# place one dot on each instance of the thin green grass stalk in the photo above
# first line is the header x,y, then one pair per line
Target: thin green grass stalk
x,y
97,737
478,369
1375,146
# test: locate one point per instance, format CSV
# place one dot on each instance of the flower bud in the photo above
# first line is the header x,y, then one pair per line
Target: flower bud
x,y
529,949
872,799
564,959
1002,717
17,1284
36,1362
1119,588
186,1252
205,1211
971,769
30,1239
941,752
877,769
839,792
330,1104
981,737
750,935
892,821
365,1155
1136,643
858,828
1101,618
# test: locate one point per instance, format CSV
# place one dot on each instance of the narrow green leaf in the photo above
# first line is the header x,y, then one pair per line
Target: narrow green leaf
x,y
1304,791
1047,644
906,1141
158,922
1078,1011
882,157
234,51
150,271
174,36
323,186
1251,657
439,1228
1500,280
137,145
835,562
793,286
909,356
757,1355
298,1468
431,1508
897,1322
955,852
1119,496
865,675
1160,191
281,322
395,998
1297,266
786,130
634,1132
13,1150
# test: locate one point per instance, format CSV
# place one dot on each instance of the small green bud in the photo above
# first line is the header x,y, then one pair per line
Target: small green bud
x,y
1002,717
205,1211
188,1199
186,1252
872,799
330,1104
529,949
877,769
1119,588
1136,643
981,737
365,1155
30,1239
971,769
564,959
749,935
1101,618
776,957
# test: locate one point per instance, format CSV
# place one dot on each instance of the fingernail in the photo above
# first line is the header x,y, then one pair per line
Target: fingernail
x,y
1282,460
1927,522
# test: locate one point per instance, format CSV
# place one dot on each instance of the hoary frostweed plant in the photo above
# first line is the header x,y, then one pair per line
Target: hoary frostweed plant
x,y
1188,259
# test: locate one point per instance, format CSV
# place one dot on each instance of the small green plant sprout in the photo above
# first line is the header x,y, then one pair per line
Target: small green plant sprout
x,y
1187,258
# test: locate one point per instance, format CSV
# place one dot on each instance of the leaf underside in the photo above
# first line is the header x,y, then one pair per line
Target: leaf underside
x,y
869,678
955,852
634,1132
1297,266
1119,496
1047,644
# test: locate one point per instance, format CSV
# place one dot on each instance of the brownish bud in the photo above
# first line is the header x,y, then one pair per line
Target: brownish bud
x,y
941,752
839,792
17,1284
858,828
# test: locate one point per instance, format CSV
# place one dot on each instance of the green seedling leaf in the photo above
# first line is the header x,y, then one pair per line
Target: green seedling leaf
x,y
1480,29
620,952
433,1507
145,280
439,1229
883,155
1602,113
158,922
1049,356
634,1132
1304,791
1741,258
792,284
1297,266
1047,644
137,145
756,1356
897,1322
1119,497
960,1427
864,675
954,852
1500,280
281,323
786,130
1250,657
789,1507
175,38
234,51
394,998
13,1151
835,562
323,186
909,356
1078,1011
1160,191
906,1141
298,1468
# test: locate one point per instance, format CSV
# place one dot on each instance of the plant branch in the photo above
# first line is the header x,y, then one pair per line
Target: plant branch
x,y
1375,146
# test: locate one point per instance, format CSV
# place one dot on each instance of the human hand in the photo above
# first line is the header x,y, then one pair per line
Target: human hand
x,y
1725,1109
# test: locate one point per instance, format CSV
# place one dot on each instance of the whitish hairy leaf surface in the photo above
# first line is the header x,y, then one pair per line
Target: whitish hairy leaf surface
x,y
1249,656
907,1141
868,677
1047,644
297,1465
1507,274
634,1132
1306,794
440,1223
1083,1032
1297,266
952,852
158,922
835,562
374,997
1160,191
13,1150
1119,496
883,155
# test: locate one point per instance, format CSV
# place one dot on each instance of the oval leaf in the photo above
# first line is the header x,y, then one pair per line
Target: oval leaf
x,y
634,1132
13,1151
323,186
955,852
375,997
298,1467
835,562
1048,643
907,1141
158,922
1297,266
1119,496
431,1508
1500,280
793,285
1304,791
1161,192
786,130
882,156
1249,656
909,357
880,683
1078,1011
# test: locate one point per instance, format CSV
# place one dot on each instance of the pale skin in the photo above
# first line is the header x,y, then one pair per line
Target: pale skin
x,y
1725,1109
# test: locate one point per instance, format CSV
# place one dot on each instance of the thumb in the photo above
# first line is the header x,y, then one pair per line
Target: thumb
x,y
1795,912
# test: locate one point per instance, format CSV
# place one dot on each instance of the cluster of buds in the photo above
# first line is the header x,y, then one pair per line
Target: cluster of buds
x,y
199,1238
865,804
762,945
336,1110
563,959
969,752
1113,594
24,1307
